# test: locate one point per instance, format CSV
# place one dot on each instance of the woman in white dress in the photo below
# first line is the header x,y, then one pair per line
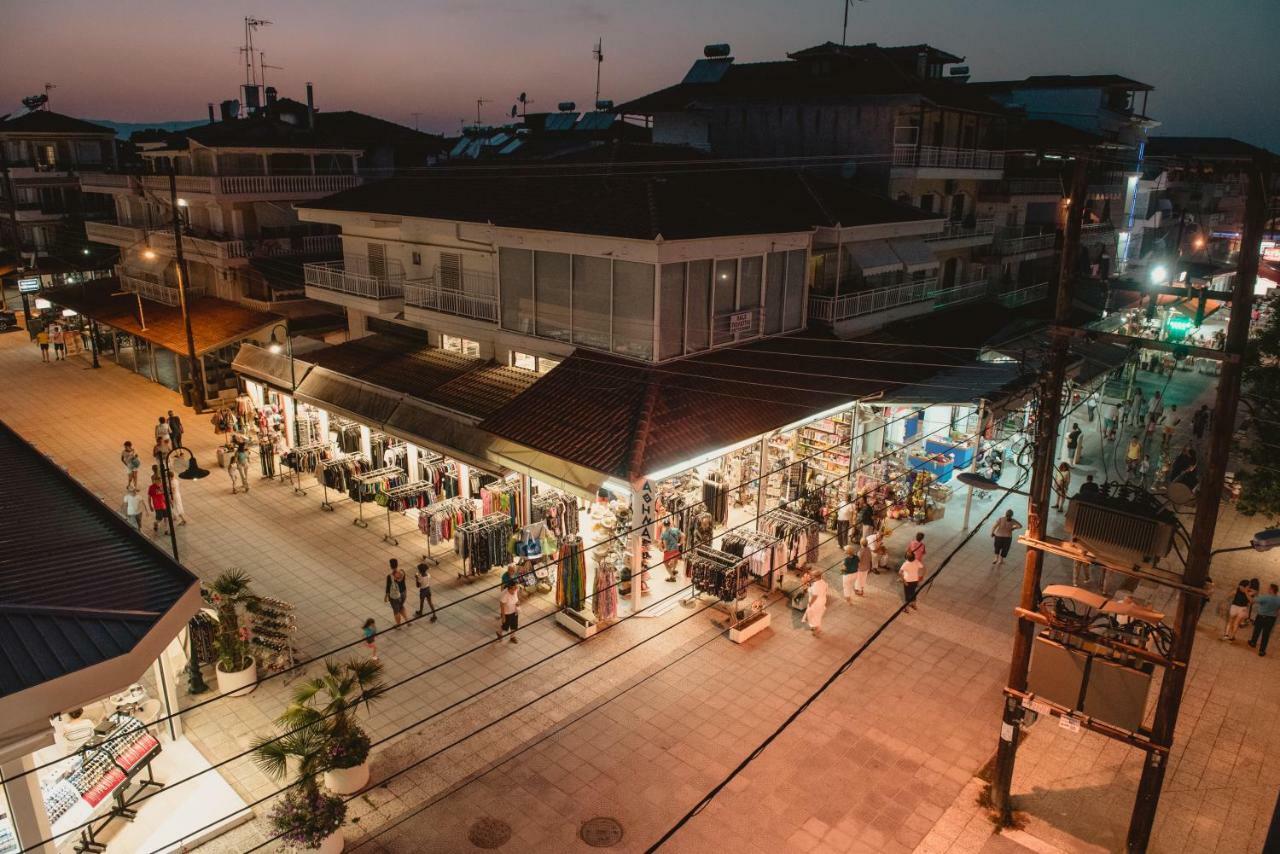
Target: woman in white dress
x,y
817,605
175,496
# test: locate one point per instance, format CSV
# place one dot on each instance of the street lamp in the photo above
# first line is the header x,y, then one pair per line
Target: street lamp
x,y
193,472
1263,541
977,481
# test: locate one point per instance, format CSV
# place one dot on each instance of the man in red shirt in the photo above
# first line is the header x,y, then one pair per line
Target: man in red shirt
x,y
159,506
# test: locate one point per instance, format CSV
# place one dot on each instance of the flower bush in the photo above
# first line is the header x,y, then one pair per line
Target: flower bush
x,y
306,816
348,748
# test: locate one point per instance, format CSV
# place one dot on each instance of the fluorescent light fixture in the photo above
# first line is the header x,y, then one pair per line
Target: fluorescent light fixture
x,y
617,487
182,203
66,312
700,459
827,414
42,304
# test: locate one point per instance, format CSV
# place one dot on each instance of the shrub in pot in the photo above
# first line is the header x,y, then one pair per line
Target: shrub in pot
x,y
306,817
231,596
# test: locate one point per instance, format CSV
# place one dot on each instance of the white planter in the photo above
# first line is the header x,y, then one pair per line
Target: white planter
x,y
347,781
750,627
333,843
239,683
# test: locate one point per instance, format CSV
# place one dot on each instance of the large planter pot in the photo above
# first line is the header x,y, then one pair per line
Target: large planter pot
x,y
347,781
239,683
333,843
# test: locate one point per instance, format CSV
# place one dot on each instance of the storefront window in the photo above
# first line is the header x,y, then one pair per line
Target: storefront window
x,y
775,286
551,292
698,307
671,312
633,309
516,283
749,282
726,297
793,307
592,301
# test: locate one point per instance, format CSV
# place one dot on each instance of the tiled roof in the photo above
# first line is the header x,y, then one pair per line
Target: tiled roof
x,y
49,628
44,121
336,129
214,322
1204,148
681,203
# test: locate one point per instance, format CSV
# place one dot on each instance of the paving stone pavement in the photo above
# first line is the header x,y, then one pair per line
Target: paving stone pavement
x,y
883,761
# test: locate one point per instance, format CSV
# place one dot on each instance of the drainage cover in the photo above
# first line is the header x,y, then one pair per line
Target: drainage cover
x,y
489,833
601,832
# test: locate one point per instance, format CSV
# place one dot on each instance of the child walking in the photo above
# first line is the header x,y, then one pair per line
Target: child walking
x,y
370,631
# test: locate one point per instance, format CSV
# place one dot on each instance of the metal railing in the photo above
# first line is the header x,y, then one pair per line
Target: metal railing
x,y
428,294
249,185
106,232
227,248
977,289
90,181
155,291
1096,231
1012,241
832,309
353,276
958,230
945,157
1022,296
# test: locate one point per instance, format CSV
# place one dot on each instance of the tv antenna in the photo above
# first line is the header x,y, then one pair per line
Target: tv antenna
x,y
416,116
523,101
47,88
262,64
598,53
251,25
844,32
479,103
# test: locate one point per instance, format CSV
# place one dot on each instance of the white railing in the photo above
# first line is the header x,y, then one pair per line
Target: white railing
x,y
947,158
832,309
957,230
1013,241
249,185
185,183
1022,296
977,289
155,291
352,276
120,235
426,293
1094,231
93,181
217,248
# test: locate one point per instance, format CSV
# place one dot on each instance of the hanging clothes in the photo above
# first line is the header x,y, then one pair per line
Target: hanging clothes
x,y
605,604
571,573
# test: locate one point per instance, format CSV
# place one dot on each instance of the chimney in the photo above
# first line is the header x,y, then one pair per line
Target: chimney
x,y
271,96
211,114
311,108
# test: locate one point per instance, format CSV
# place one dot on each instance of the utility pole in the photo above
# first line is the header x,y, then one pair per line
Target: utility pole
x,y
197,372
1046,443
598,53
1206,519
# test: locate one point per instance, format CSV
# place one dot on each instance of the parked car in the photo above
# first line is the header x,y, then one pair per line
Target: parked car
x,y
8,321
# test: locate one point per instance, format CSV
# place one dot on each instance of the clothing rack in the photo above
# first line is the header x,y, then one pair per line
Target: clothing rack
x,y
299,457
791,527
370,477
718,573
505,496
406,492
452,507
764,553
557,509
485,533
336,460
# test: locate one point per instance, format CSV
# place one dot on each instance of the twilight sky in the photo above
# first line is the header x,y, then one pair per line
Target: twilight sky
x,y
1214,64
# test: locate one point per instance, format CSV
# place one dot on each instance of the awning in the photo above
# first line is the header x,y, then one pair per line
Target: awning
x,y
915,254
274,369
873,257
996,382
442,432
551,470
348,397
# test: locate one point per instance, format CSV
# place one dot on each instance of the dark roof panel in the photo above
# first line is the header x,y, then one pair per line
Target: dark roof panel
x,y
1204,148
44,121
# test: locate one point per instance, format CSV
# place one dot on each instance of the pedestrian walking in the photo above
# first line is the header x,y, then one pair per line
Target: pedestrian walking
x,y
394,591
423,582
1062,485
176,511
42,338
1157,403
370,632
1153,421
509,612
844,518
132,462
816,606
1265,620
238,463
1002,536
849,574
1255,587
1144,407
58,337
912,573
672,539
1237,610
1144,470
1091,406
159,507
175,429
1073,444
1171,422
133,506
163,436
1200,421
1133,455
1110,421
865,560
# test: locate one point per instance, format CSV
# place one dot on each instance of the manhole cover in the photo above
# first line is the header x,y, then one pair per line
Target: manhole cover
x,y
489,833
601,832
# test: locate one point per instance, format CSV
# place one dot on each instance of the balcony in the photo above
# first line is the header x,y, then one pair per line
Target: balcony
x,y
37,212
354,283
123,236
958,234
1017,241
1097,232
255,186
153,290
834,309
103,182
1024,296
475,295
215,248
934,161
956,294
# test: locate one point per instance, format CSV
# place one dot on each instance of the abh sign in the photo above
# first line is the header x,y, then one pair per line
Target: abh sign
x,y
642,507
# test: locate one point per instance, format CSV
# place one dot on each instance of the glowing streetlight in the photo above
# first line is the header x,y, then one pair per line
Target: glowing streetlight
x,y
1159,274
149,254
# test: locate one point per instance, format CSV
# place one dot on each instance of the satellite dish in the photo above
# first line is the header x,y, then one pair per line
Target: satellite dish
x,y
513,111
522,97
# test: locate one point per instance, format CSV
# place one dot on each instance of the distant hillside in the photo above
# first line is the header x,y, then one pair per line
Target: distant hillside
x,y
126,129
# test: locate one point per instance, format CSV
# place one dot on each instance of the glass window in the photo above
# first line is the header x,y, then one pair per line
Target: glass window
x,y
551,293
528,361
775,285
465,346
793,309
671,312
698,307
633,309
546,363
515,267
726,300
749,282
592,303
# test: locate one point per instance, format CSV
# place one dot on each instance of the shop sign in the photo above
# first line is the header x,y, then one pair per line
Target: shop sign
x,y
642,505
1069,723
28,286
740,322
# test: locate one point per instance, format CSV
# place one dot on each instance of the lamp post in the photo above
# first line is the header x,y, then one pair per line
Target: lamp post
x,y
197,374
193,472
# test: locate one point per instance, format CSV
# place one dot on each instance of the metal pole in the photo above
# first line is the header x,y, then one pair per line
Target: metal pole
x,y
973,465
197,374
93,341
168,502
1038,501
1199,551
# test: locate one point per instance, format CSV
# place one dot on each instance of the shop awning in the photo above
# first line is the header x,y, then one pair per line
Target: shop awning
x,y
274,369
965,385
442,432
915,254
873,257
348,397
551,470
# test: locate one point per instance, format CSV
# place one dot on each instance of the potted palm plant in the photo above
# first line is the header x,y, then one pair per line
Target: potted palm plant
x,y
236,670
327,704
306,817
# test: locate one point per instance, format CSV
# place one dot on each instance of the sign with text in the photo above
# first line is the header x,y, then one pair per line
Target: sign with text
x,y
741,322
28,286
642,507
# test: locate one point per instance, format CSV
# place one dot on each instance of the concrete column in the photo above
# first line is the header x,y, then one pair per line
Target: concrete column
x,y
366,446
166,671
973,466
412,461
26,806
464,480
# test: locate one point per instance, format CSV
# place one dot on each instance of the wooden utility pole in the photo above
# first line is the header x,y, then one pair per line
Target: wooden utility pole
x,y
197,373
1206,520
1046,442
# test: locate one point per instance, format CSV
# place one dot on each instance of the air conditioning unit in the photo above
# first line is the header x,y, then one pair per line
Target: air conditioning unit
x,y
1126,529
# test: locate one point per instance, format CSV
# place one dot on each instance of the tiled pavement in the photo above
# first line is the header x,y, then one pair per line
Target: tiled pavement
x,y
881,762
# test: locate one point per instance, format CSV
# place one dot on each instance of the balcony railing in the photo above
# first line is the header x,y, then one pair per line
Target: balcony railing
x,y
479,304
947,158
832,309
251,185
155,291
1014,241
1095,232
91,182
353,276
959,230
977,289
1023,296
219,248
117,235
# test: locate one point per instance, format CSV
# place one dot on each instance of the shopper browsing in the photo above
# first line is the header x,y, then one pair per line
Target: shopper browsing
x,y
844,517
672,539
509,612
849,574
817,601
1002,536
912,573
